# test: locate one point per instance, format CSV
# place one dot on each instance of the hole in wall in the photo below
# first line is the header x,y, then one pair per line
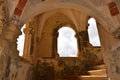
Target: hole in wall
x,y
20,42
93,32
67,43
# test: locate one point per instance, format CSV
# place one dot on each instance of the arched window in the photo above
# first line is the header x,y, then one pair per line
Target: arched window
x,y
93,32
67,43
20,42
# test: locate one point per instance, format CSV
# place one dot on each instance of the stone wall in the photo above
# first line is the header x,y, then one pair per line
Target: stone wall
x,y
111,47
44,69
12,67
113,65
16,70
3,58
58,69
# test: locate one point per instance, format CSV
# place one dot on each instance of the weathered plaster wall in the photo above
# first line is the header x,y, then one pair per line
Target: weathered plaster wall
x,y
111,53
46,26
92,8
45,37
109,34
17,70
3,57
54,22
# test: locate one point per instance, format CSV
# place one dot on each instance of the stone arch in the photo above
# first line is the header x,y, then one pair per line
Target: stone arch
x,y
55,36
89,9
50,28
111,46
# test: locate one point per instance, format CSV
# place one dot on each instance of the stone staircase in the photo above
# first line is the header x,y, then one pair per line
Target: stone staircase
x,y
95,73
98,70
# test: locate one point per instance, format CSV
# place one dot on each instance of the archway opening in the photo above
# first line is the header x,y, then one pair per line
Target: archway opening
x,y
93,33
20,42
67,43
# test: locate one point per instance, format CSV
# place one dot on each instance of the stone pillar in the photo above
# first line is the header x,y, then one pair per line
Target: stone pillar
x,y
83,42
3,56
27,45
54,43
7,43
84,36
78,43
111,47
11,33
2,18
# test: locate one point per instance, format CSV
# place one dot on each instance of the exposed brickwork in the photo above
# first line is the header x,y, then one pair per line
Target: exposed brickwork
x,y
113,8
20,7
18,11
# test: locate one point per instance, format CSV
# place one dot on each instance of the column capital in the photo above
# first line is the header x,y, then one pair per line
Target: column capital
x,y
28,30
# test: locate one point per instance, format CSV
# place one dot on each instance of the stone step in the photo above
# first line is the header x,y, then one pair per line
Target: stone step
x,y
86,77
93,77
97,72
103,66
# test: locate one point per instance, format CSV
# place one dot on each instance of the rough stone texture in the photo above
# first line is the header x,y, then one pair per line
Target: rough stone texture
x,y
94,54
53,14
113,63
116,33
111,50
58,69
3,58
16,70
45,69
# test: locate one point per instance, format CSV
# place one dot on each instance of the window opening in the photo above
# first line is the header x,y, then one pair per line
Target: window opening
x,y
67,43
20,42
93,32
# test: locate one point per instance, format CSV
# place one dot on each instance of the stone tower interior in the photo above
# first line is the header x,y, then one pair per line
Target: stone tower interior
x,y
43,19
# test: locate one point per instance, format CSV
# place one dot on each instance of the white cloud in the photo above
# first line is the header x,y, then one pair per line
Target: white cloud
x,y
67,44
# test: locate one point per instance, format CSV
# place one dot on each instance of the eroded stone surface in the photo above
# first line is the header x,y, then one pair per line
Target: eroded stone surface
x,y
16,70
116,33
113,65
54,14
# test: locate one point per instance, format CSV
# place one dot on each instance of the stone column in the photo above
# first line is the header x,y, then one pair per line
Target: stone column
x,y
83,42
3,56
11,33
27,45
55,35
2,20
78,43
6,46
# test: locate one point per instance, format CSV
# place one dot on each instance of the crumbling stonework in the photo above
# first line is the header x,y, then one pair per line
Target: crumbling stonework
x,y
44,17
58,69
16,70
113,65
45,69
116,33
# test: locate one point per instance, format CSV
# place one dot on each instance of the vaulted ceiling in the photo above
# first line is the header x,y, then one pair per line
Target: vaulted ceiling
x,y
101,10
